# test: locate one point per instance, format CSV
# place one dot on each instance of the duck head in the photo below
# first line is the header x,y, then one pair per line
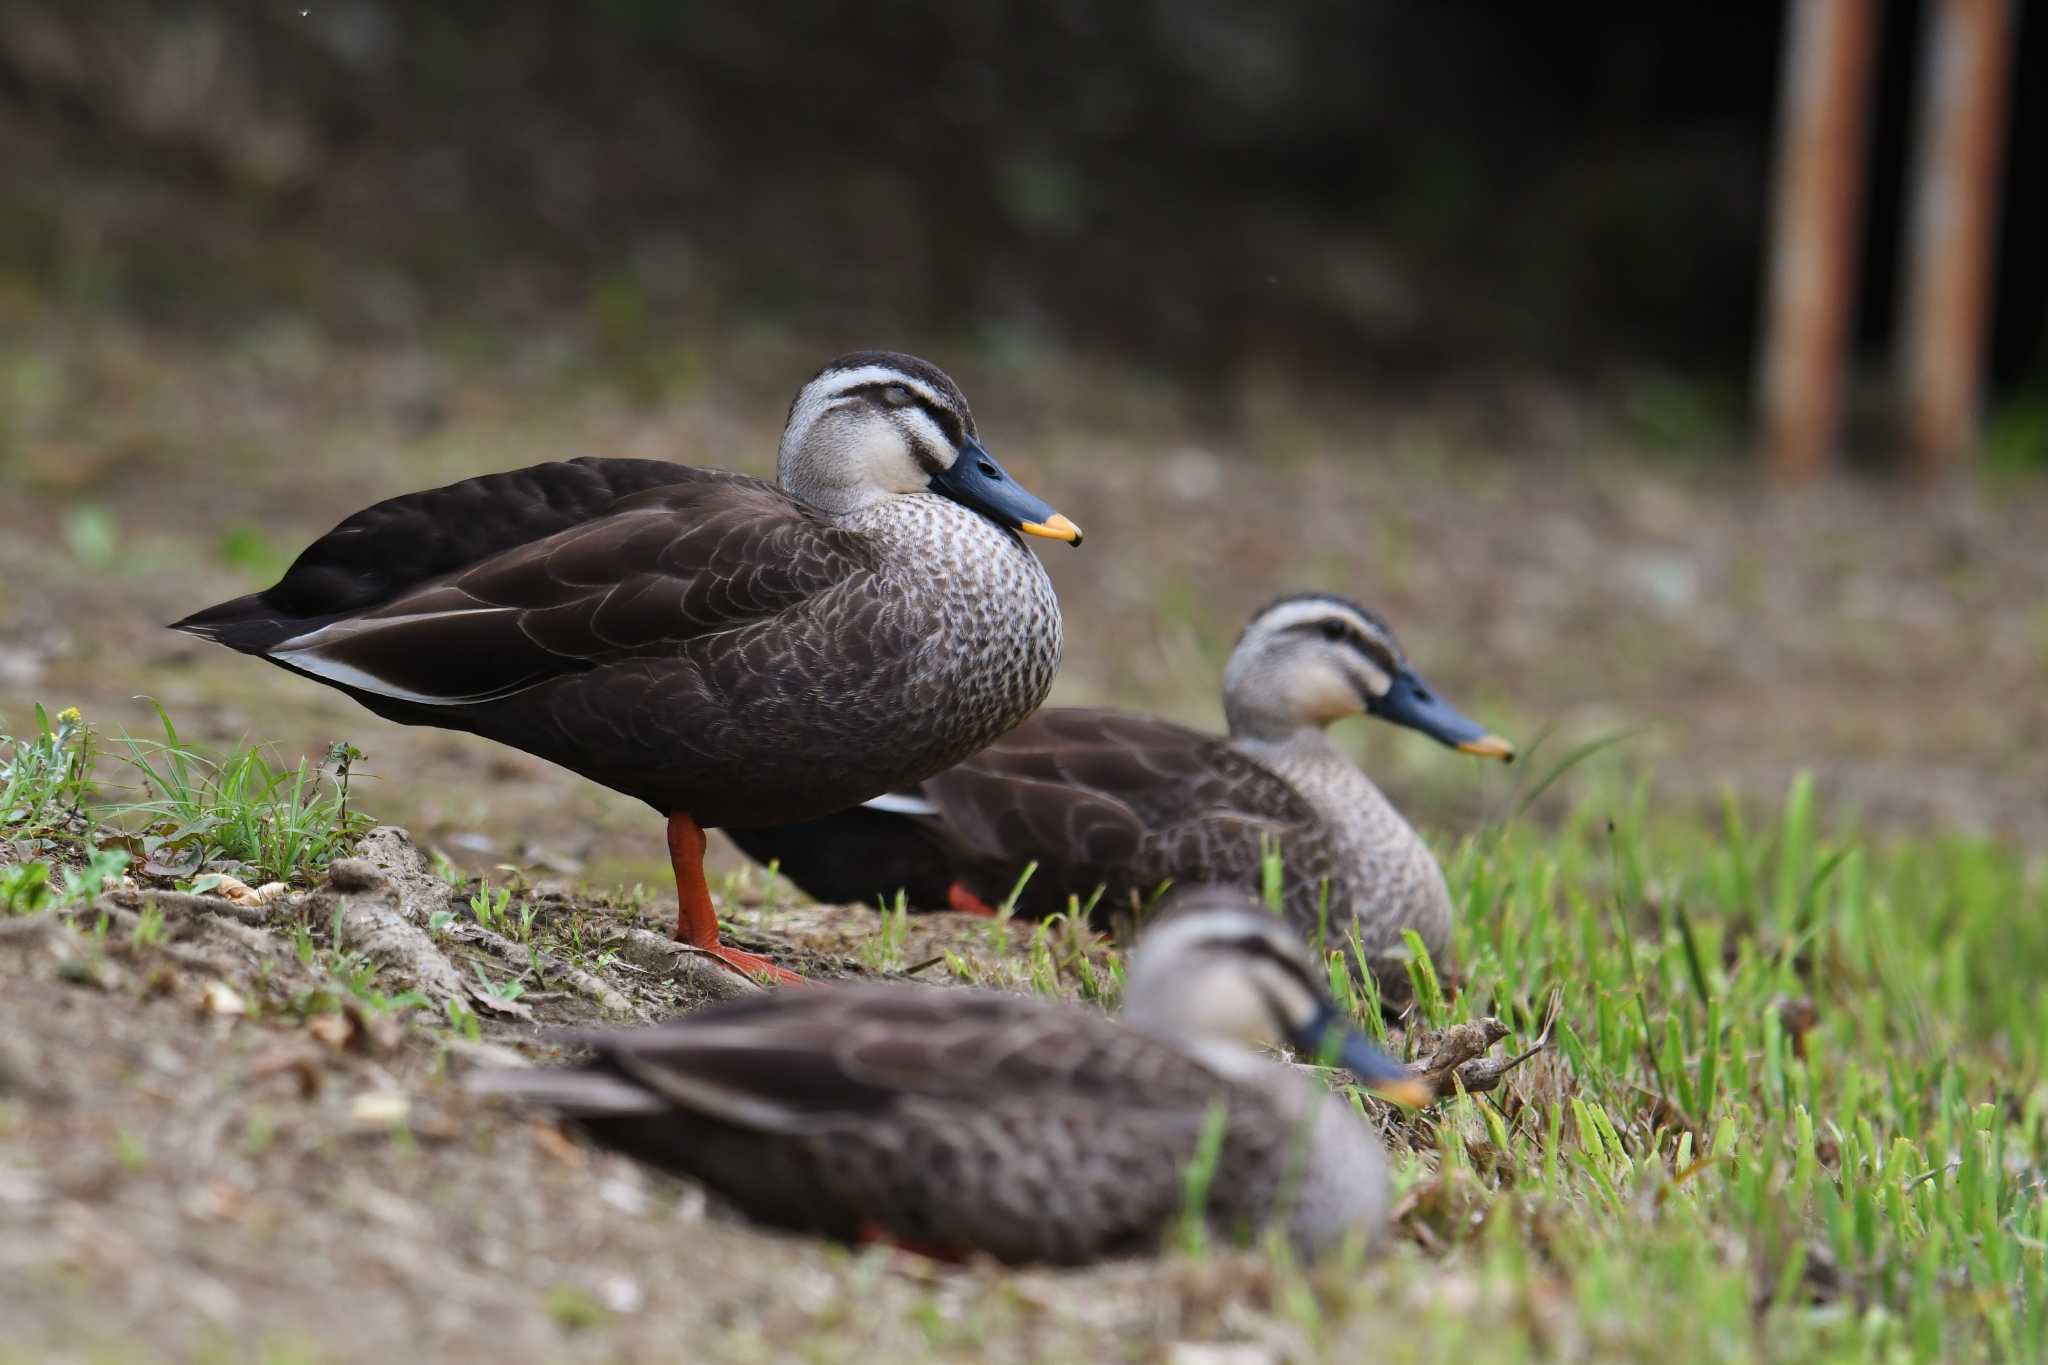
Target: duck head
x,y
1308,659
878,424
1211,967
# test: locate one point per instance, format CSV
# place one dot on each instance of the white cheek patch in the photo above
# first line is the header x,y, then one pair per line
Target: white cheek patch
x,y
934,439
1324,693
1376,682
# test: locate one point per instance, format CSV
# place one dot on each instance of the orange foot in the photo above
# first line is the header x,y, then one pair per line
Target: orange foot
x,y
753,964
697,917
967,903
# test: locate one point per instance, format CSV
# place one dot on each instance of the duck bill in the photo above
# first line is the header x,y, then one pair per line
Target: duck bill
x,y
977,481
1332,1041
1413,703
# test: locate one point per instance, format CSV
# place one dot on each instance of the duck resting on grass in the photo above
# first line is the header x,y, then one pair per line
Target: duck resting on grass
x,y
1109,803
730,651
956,1121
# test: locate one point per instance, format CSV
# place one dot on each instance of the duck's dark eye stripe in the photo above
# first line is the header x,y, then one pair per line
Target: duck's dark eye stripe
x,y
1334,630
1263,948
949,421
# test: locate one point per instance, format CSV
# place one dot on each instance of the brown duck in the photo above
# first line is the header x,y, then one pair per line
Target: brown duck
x,y
729,651
958,1121
1123,804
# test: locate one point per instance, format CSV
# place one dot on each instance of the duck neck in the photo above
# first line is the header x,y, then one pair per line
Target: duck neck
x,y
1394,880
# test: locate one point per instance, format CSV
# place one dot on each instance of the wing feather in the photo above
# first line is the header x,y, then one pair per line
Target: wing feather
x,y
804,1060
656,571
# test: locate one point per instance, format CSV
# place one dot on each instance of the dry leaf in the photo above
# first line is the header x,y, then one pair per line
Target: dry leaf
x,y
380,1109
221,998
335,1030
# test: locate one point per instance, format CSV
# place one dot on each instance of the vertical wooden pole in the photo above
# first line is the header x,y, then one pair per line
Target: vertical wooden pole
x,y
1823,107
1949,249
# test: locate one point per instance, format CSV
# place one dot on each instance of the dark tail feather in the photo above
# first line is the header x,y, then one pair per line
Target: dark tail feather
x,y
246,624
578,1091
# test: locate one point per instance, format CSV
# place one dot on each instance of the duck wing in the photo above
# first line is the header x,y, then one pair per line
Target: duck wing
x,y
954,1120
1105,798
465,595
393,545
803,1061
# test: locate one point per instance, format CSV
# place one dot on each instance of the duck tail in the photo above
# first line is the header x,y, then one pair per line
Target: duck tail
x,y
580,1092
247,624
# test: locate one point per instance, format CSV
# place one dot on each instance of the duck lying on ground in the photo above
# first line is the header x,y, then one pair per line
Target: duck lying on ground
x,y
1125,803
958,1121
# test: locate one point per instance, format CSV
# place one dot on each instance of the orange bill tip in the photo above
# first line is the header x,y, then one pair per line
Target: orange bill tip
x,y
1054,527
1412,1091
1489,746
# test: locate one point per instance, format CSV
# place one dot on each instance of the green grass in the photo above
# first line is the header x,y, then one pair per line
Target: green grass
x,y
1795,1108
69,840
286,823
46,777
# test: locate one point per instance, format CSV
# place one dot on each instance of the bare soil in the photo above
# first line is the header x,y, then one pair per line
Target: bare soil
x,y
204,1156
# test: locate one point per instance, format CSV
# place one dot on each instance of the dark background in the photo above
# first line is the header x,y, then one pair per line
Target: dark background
x,y
1368,194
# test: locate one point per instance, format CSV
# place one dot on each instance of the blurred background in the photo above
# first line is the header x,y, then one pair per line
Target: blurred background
x,y
1680,368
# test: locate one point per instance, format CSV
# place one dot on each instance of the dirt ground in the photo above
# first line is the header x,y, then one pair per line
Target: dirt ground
x,y
201,1158
181,1181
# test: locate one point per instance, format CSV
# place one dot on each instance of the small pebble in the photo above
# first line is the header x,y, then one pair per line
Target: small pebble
x,y
354,875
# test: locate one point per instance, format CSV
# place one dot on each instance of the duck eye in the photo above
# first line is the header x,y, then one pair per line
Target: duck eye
x,y
896,396
1333,630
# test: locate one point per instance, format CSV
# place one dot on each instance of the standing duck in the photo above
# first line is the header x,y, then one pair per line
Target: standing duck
x,y
957,1121
1126,803
730,651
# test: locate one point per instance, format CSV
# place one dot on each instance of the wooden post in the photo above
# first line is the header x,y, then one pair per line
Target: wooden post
x,y
1949,249
1823,106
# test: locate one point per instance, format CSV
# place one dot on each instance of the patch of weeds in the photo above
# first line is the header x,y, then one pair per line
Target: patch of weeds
x,y
357,974
103,869
36,885
131,1151
253,551
883,950
447,871
500,990
46,776
462,1019
25,888
285,822
573,1309
93,535
488,907
149,927
1196,1179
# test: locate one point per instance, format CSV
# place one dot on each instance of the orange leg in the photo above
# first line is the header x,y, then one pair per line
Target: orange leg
x,y
696,917
967,903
